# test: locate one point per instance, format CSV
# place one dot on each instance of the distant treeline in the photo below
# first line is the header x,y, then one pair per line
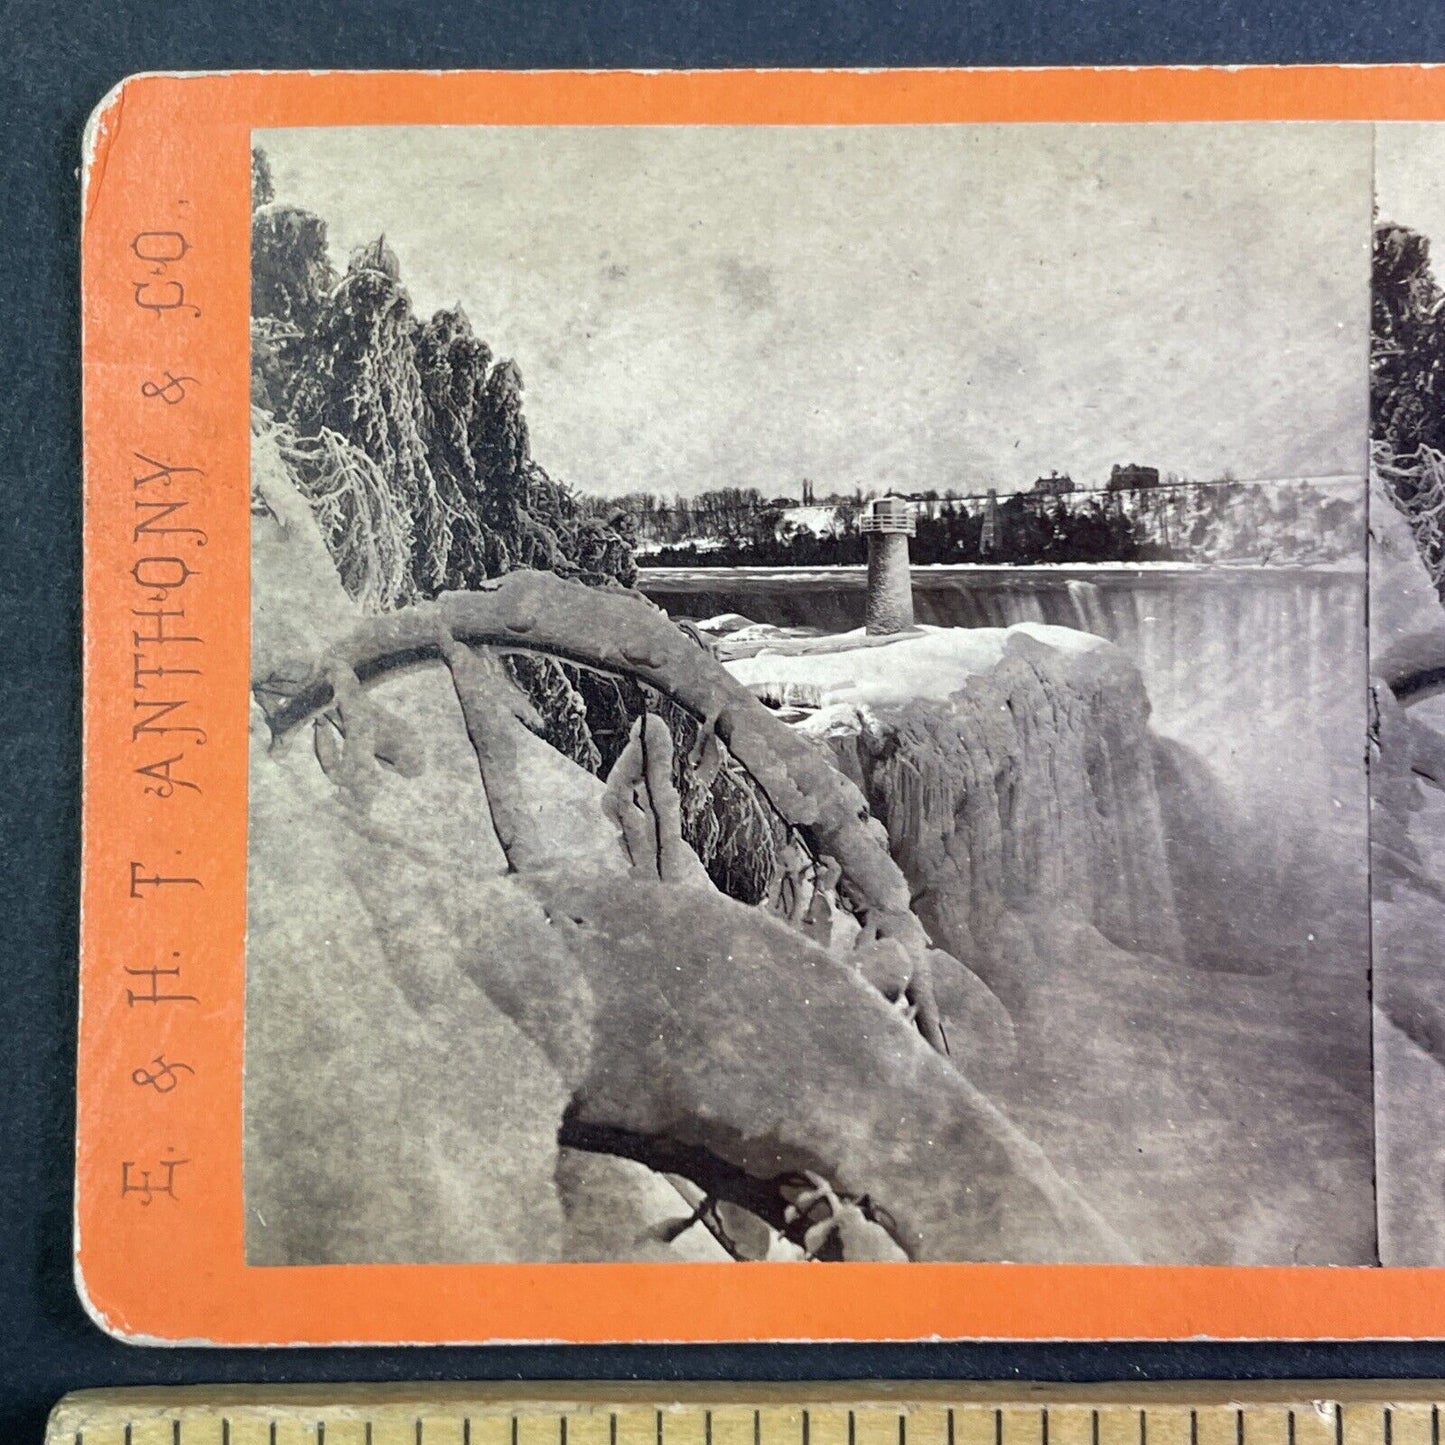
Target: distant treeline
x,y
1218,521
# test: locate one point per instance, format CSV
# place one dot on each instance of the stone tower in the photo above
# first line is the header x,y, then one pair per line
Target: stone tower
x,y
888,523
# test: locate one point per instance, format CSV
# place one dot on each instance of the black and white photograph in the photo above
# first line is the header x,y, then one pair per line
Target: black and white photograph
x,y
1407,666
811,697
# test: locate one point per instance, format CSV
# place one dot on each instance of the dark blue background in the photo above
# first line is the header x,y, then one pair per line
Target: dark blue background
x,y
56,61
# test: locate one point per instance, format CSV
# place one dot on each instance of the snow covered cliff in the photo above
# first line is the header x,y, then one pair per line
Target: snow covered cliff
x,y
1014,771
511,987
1208,1089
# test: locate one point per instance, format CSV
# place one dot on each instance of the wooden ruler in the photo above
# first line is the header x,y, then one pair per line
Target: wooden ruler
x,y
1296,1413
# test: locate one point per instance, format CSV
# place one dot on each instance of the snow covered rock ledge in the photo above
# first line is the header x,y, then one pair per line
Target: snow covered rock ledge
x,y
1014,770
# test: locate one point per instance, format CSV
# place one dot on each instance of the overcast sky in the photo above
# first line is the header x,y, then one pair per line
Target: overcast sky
x,y
1410,180
910,306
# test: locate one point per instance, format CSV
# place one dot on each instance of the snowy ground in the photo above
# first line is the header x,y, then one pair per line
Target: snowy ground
x,y
928,664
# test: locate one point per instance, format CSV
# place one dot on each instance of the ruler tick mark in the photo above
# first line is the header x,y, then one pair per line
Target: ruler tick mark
x,y
1375,1425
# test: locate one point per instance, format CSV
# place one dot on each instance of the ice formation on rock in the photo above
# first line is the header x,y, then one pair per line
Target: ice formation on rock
x,y
1013,769
1206,1086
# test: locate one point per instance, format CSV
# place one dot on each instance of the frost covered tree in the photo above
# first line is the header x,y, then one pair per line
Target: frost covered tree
x,y
291,271
344,356
1407,387
291,277
263,189
359,378
1407,353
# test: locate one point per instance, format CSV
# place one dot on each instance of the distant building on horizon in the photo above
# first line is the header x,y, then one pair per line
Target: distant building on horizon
x,y
1132,478
925,504
1055,485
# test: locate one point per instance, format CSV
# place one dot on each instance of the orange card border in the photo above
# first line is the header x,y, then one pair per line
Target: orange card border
x,y
168,157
